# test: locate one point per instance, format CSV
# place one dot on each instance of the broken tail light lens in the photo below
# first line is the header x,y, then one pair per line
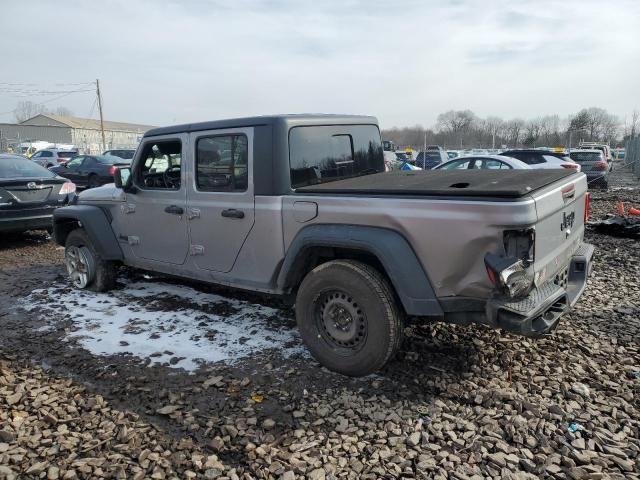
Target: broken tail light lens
x,y
508,274
67,188
587,206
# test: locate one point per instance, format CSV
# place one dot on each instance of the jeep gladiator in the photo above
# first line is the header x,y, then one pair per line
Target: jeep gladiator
x,y
299,206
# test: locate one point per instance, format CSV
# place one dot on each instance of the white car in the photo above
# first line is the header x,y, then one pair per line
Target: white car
x,y
536,158
489,162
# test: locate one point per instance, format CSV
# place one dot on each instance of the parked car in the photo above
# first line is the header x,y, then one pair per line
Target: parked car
x,y
537,158
433,157
280,205
402,156
603,147
484,162
594,165
51,157
90,170
28,194
125,153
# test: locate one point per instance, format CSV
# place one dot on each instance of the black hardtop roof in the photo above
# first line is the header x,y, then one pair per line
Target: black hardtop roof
x,y
289,120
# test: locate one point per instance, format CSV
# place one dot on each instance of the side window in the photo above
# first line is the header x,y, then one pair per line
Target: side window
x,y
457,165
160,167
46,154
75,162
492,164
222,163
36,155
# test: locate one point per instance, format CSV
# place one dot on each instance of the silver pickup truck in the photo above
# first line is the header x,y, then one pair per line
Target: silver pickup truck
x,y
300,206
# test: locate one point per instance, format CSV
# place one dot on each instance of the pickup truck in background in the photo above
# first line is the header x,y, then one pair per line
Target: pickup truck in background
x,y
299,206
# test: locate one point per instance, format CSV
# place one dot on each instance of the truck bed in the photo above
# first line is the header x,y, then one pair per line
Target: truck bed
x,y
467,183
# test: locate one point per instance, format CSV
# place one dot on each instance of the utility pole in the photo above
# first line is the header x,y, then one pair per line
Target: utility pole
x,y
104,143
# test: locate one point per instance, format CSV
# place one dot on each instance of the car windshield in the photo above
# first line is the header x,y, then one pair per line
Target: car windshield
x,y
585,156
16,167
68,154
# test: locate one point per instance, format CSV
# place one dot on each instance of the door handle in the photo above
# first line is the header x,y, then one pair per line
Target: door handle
x,y
233,213
174,209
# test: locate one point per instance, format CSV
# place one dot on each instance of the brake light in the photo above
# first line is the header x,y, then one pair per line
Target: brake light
x,y
492,275
601,165
112,170
572,166
587,206
67,188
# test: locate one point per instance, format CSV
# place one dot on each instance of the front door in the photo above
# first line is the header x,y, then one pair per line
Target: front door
x,y
220,196
153,219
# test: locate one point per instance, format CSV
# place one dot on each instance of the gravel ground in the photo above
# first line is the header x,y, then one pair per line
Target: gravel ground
x,y
456,402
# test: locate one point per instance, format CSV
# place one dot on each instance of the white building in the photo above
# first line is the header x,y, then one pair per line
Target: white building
x,y
85,133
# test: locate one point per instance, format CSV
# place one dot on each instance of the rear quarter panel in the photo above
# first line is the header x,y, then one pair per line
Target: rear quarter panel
x,y
449,236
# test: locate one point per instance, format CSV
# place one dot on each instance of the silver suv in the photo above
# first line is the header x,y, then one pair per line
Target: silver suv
x,y
299,206
51,157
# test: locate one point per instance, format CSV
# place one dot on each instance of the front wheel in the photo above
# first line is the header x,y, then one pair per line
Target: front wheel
x,y
348,317
86,268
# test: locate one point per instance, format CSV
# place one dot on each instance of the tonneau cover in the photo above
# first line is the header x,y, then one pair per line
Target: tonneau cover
x,y
467,183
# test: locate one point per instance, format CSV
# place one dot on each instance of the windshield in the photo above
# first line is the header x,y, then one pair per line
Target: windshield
x,y
125,154
15,167
585,156
111,159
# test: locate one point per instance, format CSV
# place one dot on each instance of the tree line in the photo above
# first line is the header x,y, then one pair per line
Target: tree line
x,y
25,110
461,129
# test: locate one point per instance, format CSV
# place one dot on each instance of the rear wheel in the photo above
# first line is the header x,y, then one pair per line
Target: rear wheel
x,y
92,181
348,317
86,269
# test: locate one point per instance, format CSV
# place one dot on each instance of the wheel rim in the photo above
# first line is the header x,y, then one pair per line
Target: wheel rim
x,y
80,265
341,321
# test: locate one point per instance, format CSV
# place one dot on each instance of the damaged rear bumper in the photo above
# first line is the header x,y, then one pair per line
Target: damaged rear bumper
x,y
539,313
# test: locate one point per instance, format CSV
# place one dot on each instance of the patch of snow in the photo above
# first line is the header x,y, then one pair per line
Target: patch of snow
x,y
162,321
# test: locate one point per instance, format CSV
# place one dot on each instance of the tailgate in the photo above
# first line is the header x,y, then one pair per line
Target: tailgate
x,y
560,227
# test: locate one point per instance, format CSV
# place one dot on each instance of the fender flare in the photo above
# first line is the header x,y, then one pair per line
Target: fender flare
x,y
401,264
95,222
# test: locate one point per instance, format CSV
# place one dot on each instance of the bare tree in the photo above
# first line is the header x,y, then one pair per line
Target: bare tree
x,y
494,126
635,118
455,123
27,109
513,130
532,132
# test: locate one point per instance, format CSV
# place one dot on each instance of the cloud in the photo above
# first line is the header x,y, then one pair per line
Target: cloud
x,y
162,62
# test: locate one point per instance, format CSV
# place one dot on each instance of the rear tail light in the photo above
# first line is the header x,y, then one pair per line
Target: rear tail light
x,y
587,206
112,170
572,166
601,165
67,188
508,274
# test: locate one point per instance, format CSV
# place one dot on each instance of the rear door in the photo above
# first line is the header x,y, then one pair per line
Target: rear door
x,y
220,196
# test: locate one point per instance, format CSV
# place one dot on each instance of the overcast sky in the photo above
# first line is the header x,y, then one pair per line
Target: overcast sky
x,y
163,62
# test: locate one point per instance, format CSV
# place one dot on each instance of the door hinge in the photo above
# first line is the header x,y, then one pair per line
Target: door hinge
x,y
196,250
193,213
128,208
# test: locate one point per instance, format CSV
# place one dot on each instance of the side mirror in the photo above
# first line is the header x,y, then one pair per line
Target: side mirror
x,y
122,178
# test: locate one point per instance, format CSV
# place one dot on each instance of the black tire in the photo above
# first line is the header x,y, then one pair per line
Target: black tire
x,y
348,317
104,272
92,181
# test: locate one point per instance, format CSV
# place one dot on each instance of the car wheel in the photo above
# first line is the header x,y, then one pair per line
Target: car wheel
x,y
92,182
348,317
86,269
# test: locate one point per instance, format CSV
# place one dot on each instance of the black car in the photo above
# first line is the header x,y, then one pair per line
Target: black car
x,y
28,194
91,170
542,158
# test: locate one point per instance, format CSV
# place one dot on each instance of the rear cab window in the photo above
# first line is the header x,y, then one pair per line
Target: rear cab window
x,y
321,154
